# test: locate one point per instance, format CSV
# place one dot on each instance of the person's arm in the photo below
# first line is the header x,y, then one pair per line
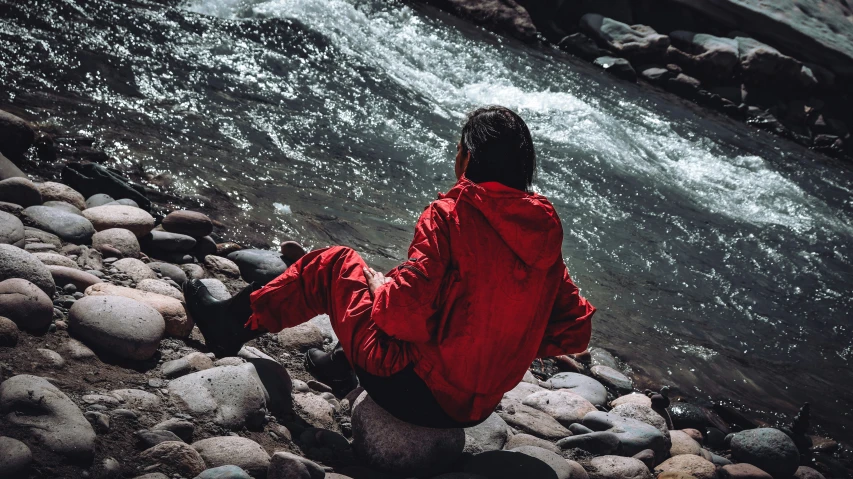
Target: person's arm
x,y
570,325
404,302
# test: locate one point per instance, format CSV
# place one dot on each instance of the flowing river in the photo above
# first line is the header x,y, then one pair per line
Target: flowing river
x,y
719,257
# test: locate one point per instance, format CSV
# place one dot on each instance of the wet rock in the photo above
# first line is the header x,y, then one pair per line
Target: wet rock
x,y
8,333
742,471
530,420
256,265
20,191
633,398
224,472
513,464
760,63
709,56
490,435
160,287
55,259
136,220
631,41
48,417
64,275
302,337
120,239
52,191
284,465
68,226
24,303
169,271
655,74
682,443
585,386
391,445
11,228
117,325
582,46
634,436
98,200
180,427
232,396
168,242
768,449
597,443
234,450
137,399
136,269
188,223
688,464
216,288
612,378
617,467
618,67
15,458
174,315
16,136
190,363
561,404
51,358
804,472
644,414
173,457
684,85
147,439
222,266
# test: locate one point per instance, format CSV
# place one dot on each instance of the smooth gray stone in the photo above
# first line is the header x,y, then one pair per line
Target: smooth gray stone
x,y
70,227
768,449
98,200
117,326
19,190
17,263
595,442
15,458
236,451
11,228
585,386
175,273
232,396
68,207
490,435
167,242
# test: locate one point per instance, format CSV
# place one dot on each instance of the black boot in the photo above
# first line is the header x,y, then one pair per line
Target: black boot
x,y
332,369
221,321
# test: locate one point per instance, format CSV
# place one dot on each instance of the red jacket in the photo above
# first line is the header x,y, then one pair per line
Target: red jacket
x,y
483,293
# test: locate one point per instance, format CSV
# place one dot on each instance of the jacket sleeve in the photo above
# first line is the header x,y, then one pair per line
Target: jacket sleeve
x,y
570,324
404,308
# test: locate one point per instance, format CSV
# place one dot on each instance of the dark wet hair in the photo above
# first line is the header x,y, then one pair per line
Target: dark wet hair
x,y
501,148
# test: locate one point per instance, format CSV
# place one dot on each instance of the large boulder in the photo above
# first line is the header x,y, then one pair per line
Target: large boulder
x,y
630,41
232,396
178,323
706,55
257,265
117,325
48,417
17,263
585,386
20,191
617,467
388,444
561,404
769,449
68,226
120,239
52,191
190,223
234,450
11,228
490,435
136,220
16,136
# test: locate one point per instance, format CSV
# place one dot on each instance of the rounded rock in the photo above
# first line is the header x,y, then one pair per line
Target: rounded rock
x,y
612,378
170,271
67,226
16,135
561,467
518,440
225,472
490,435
561,404
222,266
136,269
689,464
232,396
260,266
25,304
386,443
98,200
20,191
136,220
15,458
768,449
64,275
236,451
216,288
633,398
8,333
67,207
682,443
55,259
585,386
174,457
164,241
158,286
742,471
120,239
617,467
804,472
284,465
52,191
11,228
116,325
178,323
189,223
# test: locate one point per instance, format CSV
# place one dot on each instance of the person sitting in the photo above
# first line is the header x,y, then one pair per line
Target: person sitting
x,y
439,339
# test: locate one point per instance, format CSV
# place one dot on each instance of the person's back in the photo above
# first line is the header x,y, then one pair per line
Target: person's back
x,y
441,338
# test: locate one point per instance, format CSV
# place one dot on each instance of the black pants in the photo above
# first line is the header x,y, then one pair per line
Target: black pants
x,y
405,396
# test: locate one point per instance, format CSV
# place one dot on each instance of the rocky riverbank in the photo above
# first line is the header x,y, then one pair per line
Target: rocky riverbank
x,y
103,374
783,67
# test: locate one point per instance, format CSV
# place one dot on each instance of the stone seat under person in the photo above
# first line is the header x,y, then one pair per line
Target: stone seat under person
x,y
441,338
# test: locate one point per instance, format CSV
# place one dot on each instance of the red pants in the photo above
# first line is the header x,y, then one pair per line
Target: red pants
x,y
331,281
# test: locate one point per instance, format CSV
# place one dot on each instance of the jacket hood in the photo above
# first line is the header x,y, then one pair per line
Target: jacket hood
x,y
526,222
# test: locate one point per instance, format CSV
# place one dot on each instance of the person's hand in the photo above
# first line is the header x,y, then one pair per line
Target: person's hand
x,y
375,279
